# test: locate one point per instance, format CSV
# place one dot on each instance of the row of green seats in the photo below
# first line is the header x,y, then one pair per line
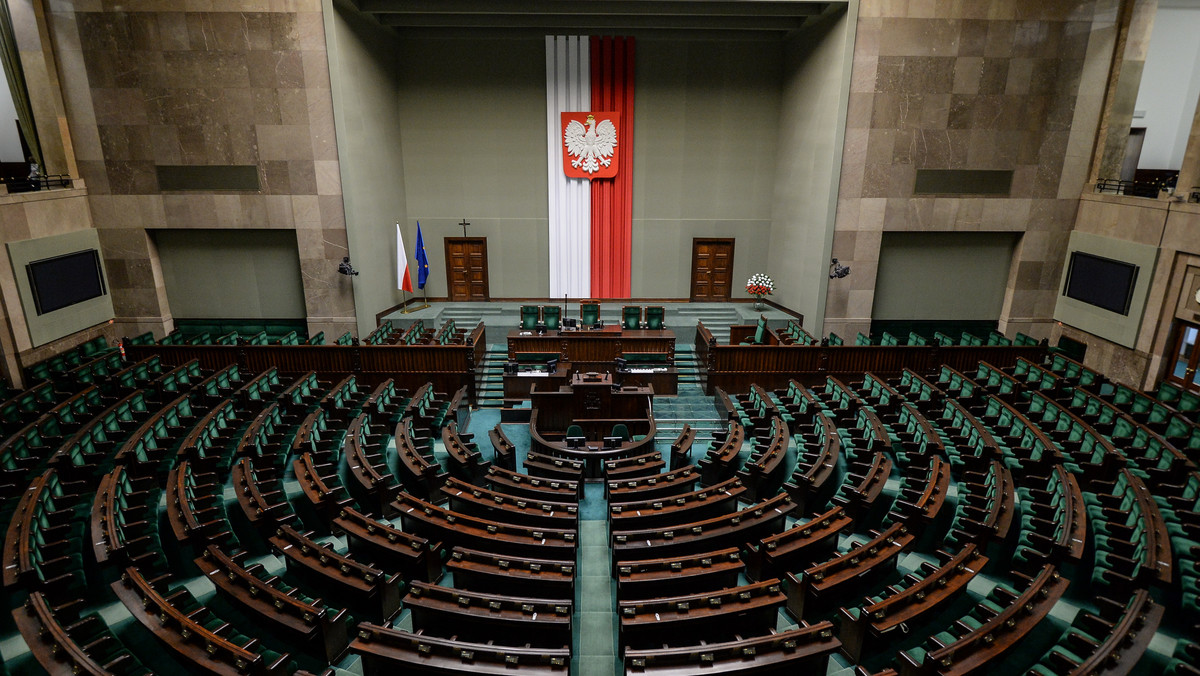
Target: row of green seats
x,y
25,453
1077,373
58,581
263,387
1091,640
1182,400
414,334
913,339
986,613
26,406
345,339
91,449
793,333
381,334
209,440
63,362
448,334
548,315
179,379
955,384
94,371
996,379
1082,444
1026,449
386,403
639,317
980,493
156,437
1153,413
1042,509
306,390
1120,534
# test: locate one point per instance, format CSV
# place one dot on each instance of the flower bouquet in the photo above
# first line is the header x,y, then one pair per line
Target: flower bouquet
x,y
760,286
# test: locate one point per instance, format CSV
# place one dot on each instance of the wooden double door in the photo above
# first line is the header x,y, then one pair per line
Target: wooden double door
x,y
467,268
712,269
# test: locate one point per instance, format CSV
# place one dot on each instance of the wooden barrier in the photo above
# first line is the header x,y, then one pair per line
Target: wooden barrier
x,y
735,367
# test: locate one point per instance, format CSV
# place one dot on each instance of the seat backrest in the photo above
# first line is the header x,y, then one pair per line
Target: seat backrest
x,y
631,317
529,317
589,313
621,431
551,314
574,431
654,317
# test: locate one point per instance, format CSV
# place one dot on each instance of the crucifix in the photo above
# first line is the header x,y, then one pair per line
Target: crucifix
x,y
464,224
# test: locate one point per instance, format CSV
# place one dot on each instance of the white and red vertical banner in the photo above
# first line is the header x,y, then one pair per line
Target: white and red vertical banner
x,y
589,115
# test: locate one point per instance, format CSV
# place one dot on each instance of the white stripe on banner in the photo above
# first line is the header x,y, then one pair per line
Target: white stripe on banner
x,y
568,88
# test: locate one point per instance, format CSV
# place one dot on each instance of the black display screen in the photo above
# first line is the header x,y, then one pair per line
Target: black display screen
x,y
65,280
1103,282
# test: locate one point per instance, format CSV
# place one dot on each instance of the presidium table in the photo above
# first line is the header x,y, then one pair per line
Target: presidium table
x,y
648,357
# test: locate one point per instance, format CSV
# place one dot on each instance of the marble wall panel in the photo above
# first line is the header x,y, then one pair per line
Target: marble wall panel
x,y
963,85
202,82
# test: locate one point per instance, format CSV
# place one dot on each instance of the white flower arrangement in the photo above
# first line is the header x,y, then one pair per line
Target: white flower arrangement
x,y
760,285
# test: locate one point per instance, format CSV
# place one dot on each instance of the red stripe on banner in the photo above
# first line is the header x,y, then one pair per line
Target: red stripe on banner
x,y
612,199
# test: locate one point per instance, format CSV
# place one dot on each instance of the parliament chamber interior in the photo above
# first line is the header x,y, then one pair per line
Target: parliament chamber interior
x,y
360,337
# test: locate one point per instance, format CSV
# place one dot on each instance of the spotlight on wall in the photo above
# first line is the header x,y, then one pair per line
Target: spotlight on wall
x,y
837,270
346,269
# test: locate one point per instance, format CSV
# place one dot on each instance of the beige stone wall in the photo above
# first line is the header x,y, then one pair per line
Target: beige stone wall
x,y
31,216
969,85
203,83
1171,226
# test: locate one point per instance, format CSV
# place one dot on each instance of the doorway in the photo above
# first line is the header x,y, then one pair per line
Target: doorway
x,y
712,269
467,268
1182,362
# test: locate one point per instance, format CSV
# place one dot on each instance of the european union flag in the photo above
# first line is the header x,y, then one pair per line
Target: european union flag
x,y
422,259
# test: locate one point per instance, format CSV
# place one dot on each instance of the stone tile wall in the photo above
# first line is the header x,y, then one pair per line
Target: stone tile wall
x,y
949,84
204,82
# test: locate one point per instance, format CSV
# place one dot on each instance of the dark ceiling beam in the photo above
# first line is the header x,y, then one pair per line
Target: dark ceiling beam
x,y
585,22
713,8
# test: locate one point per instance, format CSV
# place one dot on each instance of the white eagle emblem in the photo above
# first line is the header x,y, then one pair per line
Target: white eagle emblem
x,y
592,147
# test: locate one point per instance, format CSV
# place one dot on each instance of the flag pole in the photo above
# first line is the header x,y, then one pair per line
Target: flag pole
x,y
414,308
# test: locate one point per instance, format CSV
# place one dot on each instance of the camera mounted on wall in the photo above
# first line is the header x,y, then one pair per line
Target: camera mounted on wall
x,y
837,270
346,269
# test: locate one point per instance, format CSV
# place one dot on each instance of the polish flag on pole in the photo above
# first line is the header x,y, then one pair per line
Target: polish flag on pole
x,y
402,280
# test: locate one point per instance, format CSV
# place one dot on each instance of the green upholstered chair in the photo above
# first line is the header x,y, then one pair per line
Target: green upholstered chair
x,y
620,431
760,333
589,313
552,316
529,317
654,317
631,317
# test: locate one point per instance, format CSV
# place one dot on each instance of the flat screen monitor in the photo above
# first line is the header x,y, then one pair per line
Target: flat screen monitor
x,y
576,442
65,280
612,442
1099,281
552,365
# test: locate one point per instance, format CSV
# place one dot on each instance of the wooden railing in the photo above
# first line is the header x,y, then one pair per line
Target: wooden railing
x,y
448,367
735,367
